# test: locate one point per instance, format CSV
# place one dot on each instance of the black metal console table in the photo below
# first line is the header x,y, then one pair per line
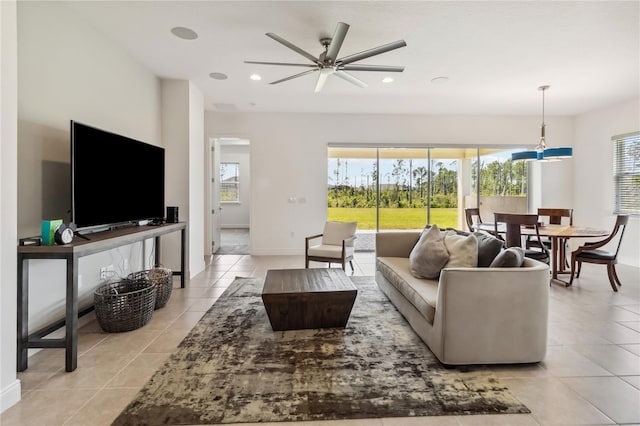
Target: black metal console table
x,y
97,242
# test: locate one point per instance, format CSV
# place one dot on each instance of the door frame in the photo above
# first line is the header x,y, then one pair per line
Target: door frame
x,y
212,178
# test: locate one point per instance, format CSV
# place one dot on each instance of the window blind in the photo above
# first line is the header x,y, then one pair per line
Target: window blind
x,y
626,173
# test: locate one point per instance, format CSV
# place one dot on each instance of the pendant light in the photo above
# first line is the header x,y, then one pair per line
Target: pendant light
x,y
542,152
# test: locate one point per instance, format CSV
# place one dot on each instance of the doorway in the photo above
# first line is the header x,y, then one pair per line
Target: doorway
x,y
231,196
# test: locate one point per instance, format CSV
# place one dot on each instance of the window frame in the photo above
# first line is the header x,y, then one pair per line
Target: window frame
x,y
626,173
236,183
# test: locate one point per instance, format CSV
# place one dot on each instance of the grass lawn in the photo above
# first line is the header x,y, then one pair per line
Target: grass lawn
x,y
394,218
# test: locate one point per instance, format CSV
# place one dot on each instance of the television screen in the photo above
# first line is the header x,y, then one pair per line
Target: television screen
x,y
114,179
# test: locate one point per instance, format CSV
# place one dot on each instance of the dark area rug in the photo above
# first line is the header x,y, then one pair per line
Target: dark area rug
x,y
233,368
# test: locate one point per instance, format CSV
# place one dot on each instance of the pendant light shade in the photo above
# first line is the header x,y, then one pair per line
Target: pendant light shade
x,y
542,152
524,156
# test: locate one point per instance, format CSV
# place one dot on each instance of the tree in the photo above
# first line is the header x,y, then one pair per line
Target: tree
x,y
420,175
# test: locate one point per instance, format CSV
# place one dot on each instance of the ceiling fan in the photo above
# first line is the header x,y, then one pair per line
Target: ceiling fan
x,y
328,63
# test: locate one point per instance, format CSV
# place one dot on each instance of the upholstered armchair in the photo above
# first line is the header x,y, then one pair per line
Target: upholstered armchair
x,y
336,245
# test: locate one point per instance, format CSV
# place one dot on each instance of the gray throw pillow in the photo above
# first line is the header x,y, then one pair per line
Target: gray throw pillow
x,y
513,257
429,255
488,248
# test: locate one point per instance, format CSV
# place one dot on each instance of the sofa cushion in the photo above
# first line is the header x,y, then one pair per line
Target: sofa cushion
x,y
324,250
421,293
429,255
335,232
488,248
513,257
463,250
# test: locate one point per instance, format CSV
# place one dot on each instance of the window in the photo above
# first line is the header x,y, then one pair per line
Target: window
x,y
230,182
626,173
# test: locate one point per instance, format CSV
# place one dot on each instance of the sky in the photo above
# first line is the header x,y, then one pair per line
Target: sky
x,y
358,169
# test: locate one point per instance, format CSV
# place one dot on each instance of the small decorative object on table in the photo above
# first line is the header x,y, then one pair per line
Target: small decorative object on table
x,y
162,278
124,305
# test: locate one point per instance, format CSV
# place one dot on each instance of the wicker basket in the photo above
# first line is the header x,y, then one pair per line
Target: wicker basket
x,y
124,305
162,278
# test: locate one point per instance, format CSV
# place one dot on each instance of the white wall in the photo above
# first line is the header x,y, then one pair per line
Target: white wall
x,y
183,137
236,215
197,163
593,175
68,70
289,159
10,388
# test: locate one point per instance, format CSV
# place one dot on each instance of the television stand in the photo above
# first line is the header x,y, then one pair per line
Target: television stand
x,y
84,237
71,254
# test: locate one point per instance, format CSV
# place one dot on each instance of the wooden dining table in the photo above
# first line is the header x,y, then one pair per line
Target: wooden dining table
x,y
558,235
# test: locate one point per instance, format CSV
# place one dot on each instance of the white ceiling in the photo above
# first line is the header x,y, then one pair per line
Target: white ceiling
x,y
495,54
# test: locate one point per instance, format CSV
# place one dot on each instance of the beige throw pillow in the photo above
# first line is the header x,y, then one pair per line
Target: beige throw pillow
x,y
429,254
463,250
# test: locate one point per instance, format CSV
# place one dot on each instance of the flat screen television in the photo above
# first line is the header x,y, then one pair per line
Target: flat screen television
x,y
114,179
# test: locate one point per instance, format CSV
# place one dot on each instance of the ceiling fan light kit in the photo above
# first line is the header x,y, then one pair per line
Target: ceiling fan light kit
x,y
328,63
542,152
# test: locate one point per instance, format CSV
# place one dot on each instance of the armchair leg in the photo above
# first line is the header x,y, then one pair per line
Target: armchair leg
x,y
579,268
351,263
306,263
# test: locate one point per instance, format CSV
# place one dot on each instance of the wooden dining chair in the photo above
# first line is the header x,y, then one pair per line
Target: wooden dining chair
x,y
590,252
469,214
554,216
513,235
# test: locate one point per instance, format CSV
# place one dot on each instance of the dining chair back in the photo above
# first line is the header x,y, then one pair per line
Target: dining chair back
x,y
513,236
554,216
469,214
591,252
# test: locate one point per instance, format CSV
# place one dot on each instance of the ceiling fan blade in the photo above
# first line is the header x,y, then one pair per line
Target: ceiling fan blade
x,y
371,52
294,76
293,47
281,63
336,41
351,79
384,68
322,79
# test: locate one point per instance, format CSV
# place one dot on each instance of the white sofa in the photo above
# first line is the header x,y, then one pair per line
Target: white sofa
x,y
470,315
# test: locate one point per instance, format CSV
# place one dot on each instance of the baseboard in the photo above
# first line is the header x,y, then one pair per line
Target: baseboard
x,y
10,395
234,227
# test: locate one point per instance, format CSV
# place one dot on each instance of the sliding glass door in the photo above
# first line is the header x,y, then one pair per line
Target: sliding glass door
x,y
403,188
503,184
352,187
396,188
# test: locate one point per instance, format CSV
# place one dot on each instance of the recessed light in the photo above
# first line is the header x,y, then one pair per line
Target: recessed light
x,y
184,33
387,80
439,80
252,103
255,77
218,76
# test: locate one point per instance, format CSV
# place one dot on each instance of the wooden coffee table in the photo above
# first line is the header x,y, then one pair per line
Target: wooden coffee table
x,y
308,298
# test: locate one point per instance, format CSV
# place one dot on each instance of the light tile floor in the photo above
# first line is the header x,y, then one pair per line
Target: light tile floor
x,y
591,375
